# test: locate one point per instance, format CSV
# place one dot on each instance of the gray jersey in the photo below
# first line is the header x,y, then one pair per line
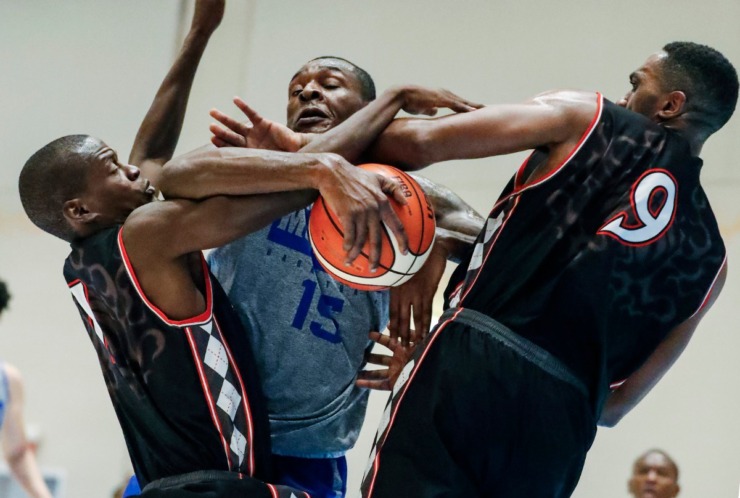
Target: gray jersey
x,y
308,332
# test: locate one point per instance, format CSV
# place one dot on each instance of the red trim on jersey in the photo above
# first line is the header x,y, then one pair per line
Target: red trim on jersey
x,y
199,319
379,444
518,188
272,489
92,322
87,298
711,287
207,393
617,384
245,400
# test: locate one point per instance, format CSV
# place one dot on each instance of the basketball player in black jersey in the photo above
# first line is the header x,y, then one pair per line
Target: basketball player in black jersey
x,y
173,353
592,272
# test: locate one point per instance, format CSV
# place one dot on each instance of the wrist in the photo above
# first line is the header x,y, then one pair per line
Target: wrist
x,y
398,94
323,171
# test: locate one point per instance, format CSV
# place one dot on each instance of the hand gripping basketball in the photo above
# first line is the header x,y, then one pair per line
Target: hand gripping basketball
x,y
394,267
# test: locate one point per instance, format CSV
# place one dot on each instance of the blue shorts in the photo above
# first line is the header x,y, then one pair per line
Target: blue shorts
x,y
320,477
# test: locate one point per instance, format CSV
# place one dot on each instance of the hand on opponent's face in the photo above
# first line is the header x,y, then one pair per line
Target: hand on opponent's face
x,y
255,133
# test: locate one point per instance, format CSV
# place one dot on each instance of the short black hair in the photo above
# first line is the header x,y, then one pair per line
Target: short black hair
x,y
707,78
4,296
51,177
668,458
366,81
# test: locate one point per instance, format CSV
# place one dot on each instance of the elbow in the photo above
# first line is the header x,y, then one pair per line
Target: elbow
x,y
609,420
406,144
179,179
421,145
614,411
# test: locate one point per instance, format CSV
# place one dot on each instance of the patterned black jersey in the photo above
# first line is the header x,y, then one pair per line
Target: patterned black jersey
x,y
183,391
600,259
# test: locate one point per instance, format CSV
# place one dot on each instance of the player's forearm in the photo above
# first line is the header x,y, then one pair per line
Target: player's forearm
x,y
351,138
209,171
458,224
160,130
405,143
26,471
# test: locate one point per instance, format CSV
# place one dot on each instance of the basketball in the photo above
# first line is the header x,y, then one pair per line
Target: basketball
x,y
394,268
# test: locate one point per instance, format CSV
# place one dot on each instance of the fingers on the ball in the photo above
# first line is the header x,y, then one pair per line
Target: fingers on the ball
x,y
348,226
393,189
360,237
374,237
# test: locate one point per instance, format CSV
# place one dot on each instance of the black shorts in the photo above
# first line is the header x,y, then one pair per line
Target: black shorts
x,y
216,484
481,412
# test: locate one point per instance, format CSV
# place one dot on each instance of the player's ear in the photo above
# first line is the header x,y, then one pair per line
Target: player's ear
x,y
673,105
77,213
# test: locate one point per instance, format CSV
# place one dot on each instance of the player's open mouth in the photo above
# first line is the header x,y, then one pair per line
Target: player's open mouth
x,y
311,116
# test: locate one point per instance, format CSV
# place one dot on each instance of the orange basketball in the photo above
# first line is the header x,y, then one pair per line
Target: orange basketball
x,y
326,236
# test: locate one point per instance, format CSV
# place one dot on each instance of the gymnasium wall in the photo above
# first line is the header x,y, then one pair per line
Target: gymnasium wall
x,y
92,66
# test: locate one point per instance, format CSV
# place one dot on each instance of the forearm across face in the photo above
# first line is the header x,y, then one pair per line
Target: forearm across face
x,y
238,171
351,138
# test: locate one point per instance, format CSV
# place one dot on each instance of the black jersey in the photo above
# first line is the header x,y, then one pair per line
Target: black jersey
x,y
600,259
183,390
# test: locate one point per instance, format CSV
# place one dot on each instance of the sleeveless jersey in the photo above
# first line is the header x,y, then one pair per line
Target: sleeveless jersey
x,y
600,259
184,391
310,332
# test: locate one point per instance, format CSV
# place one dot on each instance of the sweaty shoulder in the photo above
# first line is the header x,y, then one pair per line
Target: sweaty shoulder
x,y
576,112
153,228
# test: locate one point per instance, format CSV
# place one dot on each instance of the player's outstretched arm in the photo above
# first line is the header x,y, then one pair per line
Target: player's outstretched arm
x,y
353,137
350,139
359,198
638,385
16,448
160,130
548,120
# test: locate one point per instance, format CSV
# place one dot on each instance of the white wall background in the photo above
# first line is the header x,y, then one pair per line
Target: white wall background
x,y
92,66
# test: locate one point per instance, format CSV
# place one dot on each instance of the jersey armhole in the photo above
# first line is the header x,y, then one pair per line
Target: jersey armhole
x,y
198,319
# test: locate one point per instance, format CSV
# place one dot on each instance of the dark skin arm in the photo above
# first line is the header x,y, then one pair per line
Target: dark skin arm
x,y
350,139
552,120
458,222
159,132
163,240
358,197
458,225
641,382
